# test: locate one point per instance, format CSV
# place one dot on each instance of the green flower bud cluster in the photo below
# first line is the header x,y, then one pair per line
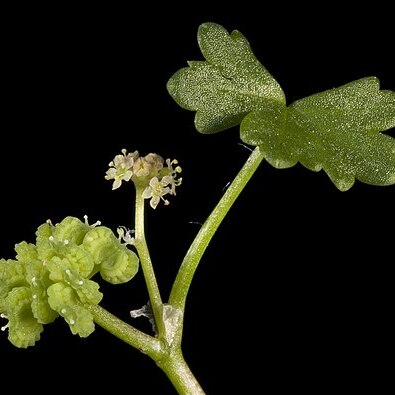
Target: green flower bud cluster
x,y
52,278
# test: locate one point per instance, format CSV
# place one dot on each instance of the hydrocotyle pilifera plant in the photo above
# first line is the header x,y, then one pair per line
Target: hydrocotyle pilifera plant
x,y
338,130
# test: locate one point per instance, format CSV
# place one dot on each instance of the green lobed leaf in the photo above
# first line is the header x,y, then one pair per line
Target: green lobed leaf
x,y
337,130
228,85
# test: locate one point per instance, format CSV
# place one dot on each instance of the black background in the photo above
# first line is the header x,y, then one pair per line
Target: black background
x,y
294,290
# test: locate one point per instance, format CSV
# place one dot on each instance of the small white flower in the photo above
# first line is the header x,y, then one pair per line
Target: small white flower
x,y
166,184
171,178
155,160
121,168
125,235
148,166
141,168
155,191
148,172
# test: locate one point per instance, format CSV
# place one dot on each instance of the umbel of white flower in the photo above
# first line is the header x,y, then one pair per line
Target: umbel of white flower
x,y
157,176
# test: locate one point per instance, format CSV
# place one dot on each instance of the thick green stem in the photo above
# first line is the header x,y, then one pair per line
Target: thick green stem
x,y
130,335
146,264
179,374
192,258
170,360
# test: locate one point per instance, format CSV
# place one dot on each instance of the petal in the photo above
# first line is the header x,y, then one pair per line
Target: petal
x,y
128,175
110,174
166,180
147,193
154,182
116,184
154,201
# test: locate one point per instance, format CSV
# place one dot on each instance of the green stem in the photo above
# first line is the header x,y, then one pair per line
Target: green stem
x,y
192,258
146,263
170,360
127,333
166,349
178,372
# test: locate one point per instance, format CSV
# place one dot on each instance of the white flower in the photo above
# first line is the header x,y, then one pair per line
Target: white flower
x,y
155,160
121,168
171,178
125,235
141,168
148,166
145,171
155,191
166,184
